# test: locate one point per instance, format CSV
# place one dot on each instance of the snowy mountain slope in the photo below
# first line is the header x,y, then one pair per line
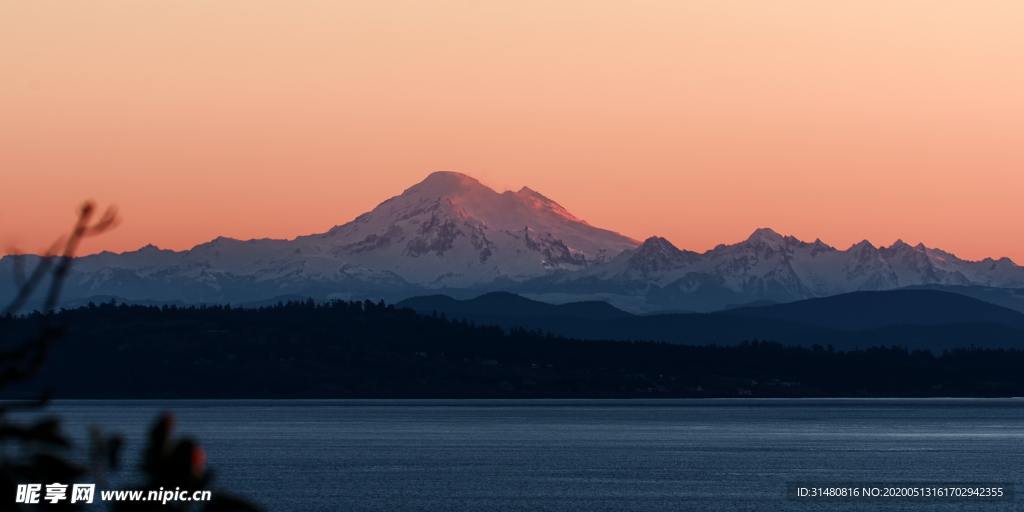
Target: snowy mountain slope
x,y
768,266
448,231
451,230
452,234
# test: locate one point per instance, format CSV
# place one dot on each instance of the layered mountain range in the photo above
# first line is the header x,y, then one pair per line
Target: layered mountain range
x,y
770,267
452,234
912,318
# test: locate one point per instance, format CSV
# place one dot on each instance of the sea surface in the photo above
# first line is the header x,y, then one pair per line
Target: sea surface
x,y
582,455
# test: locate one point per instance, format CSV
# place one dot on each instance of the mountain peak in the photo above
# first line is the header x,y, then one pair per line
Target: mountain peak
x,y
537,201
450,175
900,244
658,243
1004,261
658,254
452,230
862,246
532,196
765,234
447,183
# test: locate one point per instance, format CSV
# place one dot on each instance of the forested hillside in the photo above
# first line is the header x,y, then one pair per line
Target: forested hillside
x,y
362,349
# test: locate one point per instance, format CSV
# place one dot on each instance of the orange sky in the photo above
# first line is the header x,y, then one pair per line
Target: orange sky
x,y
695,120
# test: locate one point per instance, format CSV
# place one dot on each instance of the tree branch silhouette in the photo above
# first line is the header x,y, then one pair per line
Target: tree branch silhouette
x,y
41,454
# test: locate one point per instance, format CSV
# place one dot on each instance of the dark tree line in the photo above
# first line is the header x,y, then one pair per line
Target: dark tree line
x,y
365,349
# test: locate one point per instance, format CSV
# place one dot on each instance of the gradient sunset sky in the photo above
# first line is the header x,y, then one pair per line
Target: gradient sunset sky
x,y
695,120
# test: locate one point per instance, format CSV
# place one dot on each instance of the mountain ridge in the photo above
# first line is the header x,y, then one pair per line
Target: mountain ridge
x,y
450,233
768,266
920,319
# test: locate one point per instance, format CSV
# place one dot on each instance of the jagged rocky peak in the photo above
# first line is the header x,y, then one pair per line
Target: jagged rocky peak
x,y
863,245
149,249
658,254
221,242
771,239
768,237
1005,261
657,245
900,245
904,251
864,251
820,247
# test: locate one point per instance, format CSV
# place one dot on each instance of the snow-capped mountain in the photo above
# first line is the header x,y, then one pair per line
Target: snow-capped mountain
x,y
768,266
448,231
451,233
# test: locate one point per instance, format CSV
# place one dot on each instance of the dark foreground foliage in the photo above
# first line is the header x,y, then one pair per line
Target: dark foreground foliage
x,y
363,349
39,451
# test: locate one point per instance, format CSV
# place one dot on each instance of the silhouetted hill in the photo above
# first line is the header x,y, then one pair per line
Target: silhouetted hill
x,y
1012,298
873,310
912,318
502,305
362,349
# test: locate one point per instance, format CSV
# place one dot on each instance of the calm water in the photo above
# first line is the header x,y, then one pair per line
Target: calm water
x,y
595,455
